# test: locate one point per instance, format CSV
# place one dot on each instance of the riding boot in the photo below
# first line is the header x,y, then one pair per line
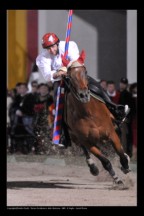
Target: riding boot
x,y
119,111
65,137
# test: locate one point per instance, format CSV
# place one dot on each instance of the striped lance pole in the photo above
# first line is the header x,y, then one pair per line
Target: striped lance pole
x,y
68,31
60,91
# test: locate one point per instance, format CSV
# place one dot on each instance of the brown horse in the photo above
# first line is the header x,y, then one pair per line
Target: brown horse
x,y
88,120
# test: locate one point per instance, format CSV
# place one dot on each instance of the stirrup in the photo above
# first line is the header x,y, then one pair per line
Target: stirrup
x,y
60,145
127,110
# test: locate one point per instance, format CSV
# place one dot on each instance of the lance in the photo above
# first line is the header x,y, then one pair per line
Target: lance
x,y
60,91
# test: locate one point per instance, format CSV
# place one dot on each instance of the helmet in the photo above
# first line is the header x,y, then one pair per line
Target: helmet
x,y
49,39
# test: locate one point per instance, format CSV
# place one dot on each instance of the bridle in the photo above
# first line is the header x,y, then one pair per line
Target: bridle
x,y
81,95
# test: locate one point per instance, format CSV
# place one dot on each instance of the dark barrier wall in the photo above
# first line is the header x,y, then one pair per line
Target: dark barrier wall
x,y
111,43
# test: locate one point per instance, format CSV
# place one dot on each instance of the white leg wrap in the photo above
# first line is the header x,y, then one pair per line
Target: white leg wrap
x,y
89,161
127,157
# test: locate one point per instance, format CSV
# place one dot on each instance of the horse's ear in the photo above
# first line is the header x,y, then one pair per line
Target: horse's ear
x,y
64,61
81,59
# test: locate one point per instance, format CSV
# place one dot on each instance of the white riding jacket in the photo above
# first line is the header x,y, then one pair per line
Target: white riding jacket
x,y
48,64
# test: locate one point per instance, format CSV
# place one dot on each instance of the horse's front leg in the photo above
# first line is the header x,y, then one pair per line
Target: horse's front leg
x,y
124,158
93,168
106,164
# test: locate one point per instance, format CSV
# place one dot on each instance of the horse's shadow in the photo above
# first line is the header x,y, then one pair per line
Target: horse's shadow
x,y
39,184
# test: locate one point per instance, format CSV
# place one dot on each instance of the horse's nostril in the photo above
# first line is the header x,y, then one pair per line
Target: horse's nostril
x,y
81,95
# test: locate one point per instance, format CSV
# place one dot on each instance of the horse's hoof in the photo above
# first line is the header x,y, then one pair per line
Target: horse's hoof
x,y
93,169
120,182
125,171
118,185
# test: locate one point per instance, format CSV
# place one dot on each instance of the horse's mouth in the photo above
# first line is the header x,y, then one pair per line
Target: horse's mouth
x,y
84,96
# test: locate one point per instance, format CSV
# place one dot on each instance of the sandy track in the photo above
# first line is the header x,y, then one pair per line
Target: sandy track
x,y
58,185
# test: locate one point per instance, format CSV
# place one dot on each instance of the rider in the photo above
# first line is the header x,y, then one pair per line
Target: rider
x,y
50,64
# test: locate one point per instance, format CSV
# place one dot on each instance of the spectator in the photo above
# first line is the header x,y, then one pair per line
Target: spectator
x,y
9,103
27,110
34,86
42,109
103,84
112,92
126,98
17,87
15,111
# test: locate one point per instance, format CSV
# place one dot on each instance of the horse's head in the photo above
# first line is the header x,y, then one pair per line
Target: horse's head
x,y
77,74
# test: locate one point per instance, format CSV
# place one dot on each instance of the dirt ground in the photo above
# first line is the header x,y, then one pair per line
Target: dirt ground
x,y
36,181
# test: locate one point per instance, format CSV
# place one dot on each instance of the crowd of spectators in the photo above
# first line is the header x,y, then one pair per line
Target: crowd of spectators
x,y
29,117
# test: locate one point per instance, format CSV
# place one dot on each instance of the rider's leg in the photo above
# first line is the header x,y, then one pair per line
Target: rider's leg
x,y
55,87
119,111
65,140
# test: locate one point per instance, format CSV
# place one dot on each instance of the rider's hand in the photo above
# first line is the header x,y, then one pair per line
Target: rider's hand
x,y
62,69
61,72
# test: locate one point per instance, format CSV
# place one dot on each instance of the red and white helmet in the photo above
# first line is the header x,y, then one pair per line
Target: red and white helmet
x,y
49,39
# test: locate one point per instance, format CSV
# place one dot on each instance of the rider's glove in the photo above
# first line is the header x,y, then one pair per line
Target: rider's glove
x,y
62,69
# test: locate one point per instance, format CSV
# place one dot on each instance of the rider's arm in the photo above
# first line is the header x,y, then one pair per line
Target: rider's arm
x,y
44,65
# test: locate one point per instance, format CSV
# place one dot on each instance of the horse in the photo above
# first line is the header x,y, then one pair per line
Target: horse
x,y
88,120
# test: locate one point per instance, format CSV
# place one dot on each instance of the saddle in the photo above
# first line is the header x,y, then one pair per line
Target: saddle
x,y
94,86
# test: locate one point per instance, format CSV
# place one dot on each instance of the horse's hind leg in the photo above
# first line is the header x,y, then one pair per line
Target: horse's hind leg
x,y
93,168
124,158
106,164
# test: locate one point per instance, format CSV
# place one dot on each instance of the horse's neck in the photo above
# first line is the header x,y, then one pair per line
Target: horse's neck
x,y
79,107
